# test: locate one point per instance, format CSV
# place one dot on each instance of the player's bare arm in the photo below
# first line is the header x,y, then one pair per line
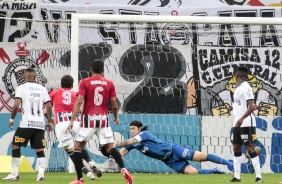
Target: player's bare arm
x,y
45,113
251,107
79,101
126,142
123,152
114,105
15,109
48,108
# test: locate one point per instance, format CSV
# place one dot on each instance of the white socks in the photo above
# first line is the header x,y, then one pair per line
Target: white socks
x,y
15,165
237,166
256,165
41,166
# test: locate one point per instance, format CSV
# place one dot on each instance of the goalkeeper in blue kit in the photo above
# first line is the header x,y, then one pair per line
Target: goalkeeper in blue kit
x,y
173,155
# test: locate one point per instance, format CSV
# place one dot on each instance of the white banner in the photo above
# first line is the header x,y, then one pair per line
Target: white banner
x,y
50,11
153,3
218,63
174,3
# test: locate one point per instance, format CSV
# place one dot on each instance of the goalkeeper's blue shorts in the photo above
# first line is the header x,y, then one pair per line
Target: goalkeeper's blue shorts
x,y
179,157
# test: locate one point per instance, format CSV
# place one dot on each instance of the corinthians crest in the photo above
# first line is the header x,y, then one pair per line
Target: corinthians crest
x,y
13,75
176,33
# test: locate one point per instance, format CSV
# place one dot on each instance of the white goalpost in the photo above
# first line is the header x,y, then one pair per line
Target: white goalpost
x,y
176,74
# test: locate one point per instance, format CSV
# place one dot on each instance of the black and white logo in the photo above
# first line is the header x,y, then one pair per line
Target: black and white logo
x,y
176,34
14,73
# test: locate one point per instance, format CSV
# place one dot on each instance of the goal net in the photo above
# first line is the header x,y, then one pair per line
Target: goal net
x,y
176,74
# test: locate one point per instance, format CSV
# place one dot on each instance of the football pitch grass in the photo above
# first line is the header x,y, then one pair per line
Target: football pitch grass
x,y
143,178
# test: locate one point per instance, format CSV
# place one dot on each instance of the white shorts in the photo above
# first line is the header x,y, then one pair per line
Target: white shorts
x,y
66,140
105,135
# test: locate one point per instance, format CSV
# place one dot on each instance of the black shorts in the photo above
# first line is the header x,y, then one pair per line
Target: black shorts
x,y
35,136
243,135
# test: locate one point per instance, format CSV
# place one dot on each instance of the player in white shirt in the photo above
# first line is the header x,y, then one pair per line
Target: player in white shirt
x,y
32,97
244,125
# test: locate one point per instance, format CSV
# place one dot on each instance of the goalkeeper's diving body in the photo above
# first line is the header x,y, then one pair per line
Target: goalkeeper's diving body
x,y
173,155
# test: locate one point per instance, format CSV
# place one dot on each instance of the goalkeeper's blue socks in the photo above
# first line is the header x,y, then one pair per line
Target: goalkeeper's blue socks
x,y
211,171
219,160
205,171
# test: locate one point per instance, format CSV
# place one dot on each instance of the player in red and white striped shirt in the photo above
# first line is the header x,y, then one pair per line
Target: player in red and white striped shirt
x,y
94,93
63,101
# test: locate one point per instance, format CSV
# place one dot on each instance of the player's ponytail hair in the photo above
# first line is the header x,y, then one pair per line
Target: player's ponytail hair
x,y
144,127
139,125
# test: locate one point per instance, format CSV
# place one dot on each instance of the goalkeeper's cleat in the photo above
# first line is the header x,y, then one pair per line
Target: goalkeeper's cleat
x,y
218,171
235,180
77,181
90,175
127,176
11,177
97,171
258,180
